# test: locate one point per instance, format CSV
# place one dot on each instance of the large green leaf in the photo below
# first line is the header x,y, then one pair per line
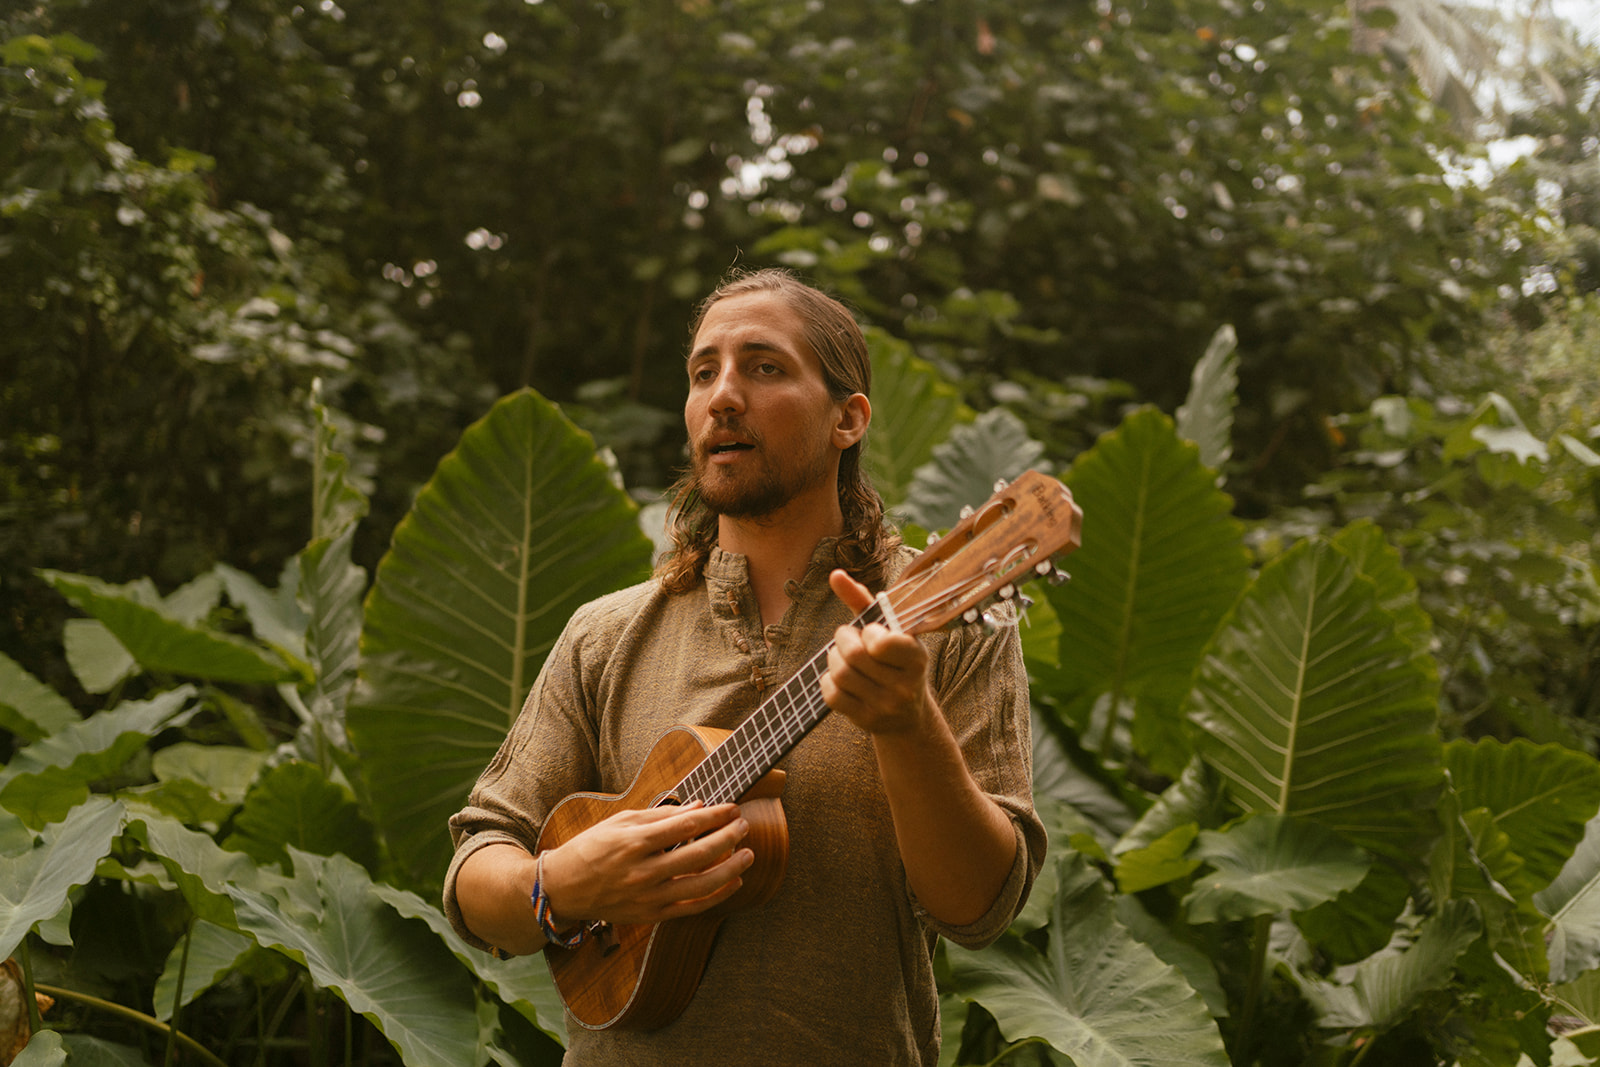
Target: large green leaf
x,y
49,777
202,869
964,468
1098,995
1162,561
1363,542
1572,901
1195,798
1355,924
330,595
1057,775
1581,997
1309,703
294,805
1473,859
388,968
162,642
225,770
44,1049
518,527
1383,989
96,657
29,708
202,956
34,884
1540,795
524,982
1206,417
913,409
1192,961
1165,859
1271,863
273,614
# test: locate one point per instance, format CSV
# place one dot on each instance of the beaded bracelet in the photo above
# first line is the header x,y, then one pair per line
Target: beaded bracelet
x,y
546,918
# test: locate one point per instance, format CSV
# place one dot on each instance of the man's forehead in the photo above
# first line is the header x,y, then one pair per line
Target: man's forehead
x,y
752,322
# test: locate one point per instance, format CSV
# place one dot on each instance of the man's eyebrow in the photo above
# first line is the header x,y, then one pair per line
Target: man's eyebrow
x,y
755,344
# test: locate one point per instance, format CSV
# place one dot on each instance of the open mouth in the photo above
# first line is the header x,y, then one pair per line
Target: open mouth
x,y
730,446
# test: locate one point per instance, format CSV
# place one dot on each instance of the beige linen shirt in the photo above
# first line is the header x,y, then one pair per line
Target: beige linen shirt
x,y
838,967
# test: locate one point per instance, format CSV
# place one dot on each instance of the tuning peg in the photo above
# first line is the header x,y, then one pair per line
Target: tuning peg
x,y
1058,576
1000,485
1006,592
971,615
933,539
966,511
1025,601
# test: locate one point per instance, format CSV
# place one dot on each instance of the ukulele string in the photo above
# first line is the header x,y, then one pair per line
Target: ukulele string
x,y
775,727
782,720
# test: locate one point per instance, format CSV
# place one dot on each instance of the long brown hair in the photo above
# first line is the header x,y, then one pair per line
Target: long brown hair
x,y
831,332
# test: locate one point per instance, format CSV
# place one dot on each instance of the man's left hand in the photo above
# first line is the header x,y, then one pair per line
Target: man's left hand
x,y
876,678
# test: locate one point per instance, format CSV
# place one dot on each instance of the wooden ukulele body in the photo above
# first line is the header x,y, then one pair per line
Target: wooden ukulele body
x,y
641,976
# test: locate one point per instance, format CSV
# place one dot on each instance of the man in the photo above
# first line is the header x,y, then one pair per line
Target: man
x,y
909,810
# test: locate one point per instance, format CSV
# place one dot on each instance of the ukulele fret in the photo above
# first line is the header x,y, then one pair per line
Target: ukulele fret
x,y
763,739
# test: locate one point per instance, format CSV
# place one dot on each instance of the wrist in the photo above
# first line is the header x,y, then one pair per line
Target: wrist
x,y
563,932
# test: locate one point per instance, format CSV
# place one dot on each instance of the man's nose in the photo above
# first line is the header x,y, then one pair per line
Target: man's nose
x,y
727,394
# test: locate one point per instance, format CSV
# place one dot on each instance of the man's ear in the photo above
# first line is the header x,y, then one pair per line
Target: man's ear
x,y
855,413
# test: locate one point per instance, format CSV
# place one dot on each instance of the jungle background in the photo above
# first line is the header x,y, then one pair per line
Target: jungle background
x,y
313,316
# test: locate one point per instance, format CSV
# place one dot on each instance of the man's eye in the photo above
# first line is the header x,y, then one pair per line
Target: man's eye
x,y
766,368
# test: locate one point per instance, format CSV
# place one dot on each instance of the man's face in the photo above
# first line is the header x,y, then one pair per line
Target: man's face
x,y
759,416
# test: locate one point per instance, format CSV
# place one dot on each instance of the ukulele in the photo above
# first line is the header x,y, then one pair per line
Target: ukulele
x,y
641,976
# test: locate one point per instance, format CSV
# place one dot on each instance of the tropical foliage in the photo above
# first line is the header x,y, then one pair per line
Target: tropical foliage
x,y
1315,716
1324,865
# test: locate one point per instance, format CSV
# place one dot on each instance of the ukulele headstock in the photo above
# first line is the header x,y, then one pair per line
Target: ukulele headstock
x,y
1013,538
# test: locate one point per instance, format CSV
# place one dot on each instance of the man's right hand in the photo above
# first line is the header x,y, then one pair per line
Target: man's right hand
x,y
649,865
632,867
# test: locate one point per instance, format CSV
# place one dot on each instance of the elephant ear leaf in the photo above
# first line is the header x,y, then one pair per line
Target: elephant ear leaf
x,y
164,637
29,708
1162,561
1272,863
389,968
1206,418
963,469
913,409
519,526
35,881
1098,995
1309,702
1572,901
1540,795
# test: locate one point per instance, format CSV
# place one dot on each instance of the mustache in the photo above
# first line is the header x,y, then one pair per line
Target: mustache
x,y
724,425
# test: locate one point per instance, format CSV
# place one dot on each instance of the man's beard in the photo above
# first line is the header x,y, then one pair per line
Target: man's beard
x,y
760,492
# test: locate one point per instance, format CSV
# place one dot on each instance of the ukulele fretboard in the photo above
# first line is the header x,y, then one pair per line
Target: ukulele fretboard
x,y
756,746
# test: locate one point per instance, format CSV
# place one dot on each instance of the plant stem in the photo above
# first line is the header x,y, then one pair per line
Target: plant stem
x,y
177,996
316,1045
1009,1049
139,1017
1252,994
25,961
277,1017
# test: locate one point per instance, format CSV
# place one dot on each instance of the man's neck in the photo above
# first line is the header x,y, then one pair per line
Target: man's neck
x,y
778,547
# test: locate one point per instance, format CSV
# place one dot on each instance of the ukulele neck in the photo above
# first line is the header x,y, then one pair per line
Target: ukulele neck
x,y
783,719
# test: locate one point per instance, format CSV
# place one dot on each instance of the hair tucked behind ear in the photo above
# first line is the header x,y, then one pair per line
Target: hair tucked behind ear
x,y
868,541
